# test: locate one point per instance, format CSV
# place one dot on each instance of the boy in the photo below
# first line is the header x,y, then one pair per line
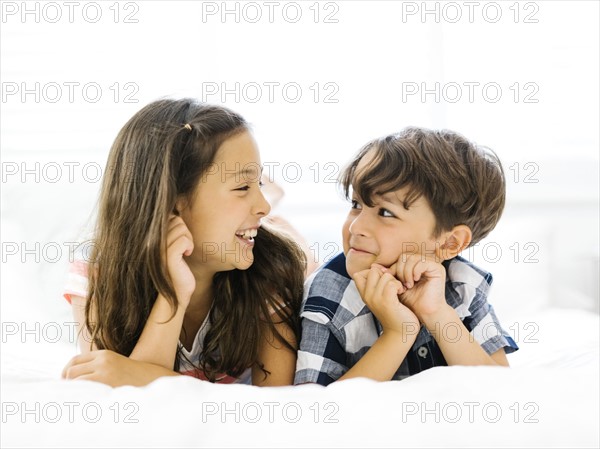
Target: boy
x,y
400,299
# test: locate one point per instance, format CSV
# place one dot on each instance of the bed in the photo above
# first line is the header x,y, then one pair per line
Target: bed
x,y
548,398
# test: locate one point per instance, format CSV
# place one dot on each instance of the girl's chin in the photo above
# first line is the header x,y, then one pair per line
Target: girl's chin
x,y
246,260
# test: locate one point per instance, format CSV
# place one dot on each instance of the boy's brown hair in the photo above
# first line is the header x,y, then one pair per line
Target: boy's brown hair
x,y
463,182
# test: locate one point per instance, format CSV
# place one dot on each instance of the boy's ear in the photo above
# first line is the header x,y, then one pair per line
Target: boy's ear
x,y
455,241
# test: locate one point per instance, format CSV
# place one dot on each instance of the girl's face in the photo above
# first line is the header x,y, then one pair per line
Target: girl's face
x,y
224,214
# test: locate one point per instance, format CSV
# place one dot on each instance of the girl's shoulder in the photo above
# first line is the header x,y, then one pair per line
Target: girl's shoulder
x,y
77,279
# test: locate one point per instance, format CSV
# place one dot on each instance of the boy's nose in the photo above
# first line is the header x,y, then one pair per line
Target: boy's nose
x,y
359,226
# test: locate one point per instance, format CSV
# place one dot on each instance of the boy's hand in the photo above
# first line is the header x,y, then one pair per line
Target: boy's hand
x,y
424,284
379,290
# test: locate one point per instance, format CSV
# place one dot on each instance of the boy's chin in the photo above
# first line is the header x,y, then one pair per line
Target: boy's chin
x,y
353,268
354,264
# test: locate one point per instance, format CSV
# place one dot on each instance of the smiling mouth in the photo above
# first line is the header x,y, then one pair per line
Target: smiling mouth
x,y
360,251
247,235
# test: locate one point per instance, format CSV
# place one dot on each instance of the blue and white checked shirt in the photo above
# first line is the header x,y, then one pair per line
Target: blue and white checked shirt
x,y
338,328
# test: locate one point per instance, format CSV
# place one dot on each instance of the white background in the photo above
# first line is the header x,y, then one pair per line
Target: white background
x,y
533,67
363,59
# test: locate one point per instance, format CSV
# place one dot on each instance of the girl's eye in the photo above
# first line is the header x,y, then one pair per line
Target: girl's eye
x,y
386,213
247,187
355,205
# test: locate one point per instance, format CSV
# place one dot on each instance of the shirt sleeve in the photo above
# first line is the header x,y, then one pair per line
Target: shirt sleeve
x,y
484,326
77,282
321,357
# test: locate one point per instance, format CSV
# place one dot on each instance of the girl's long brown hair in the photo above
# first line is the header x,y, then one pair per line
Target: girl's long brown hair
x,y
155,158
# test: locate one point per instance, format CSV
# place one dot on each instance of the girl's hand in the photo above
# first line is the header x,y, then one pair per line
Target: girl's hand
x,y
180,243
112,369
424,283
379,290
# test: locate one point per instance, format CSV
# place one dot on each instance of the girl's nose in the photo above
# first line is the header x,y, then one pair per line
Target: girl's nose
x,y
261,206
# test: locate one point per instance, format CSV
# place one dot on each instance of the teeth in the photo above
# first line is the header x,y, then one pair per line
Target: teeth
x,y
248,234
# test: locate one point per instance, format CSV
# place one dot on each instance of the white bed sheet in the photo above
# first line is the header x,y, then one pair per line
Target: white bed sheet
x,y
549,398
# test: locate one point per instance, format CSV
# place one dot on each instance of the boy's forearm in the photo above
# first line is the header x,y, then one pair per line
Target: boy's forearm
x,y
159,339
383,359
456,343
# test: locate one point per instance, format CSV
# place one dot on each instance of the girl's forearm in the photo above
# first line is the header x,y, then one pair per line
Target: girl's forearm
x,y
159,339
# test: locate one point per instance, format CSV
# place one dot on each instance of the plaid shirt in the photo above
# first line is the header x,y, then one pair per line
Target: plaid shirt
x,y
338,328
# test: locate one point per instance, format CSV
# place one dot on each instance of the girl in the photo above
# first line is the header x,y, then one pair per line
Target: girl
x,y
182,276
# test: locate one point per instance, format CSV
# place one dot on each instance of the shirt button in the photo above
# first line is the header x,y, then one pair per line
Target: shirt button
x,y
422,351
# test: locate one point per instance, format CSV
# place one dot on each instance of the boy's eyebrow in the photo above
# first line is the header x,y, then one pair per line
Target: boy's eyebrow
x,y
391,197
394,198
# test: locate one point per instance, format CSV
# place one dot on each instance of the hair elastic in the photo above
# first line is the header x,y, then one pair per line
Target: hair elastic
x,y
188,126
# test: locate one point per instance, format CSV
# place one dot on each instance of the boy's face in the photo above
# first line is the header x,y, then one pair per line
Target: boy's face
x,y
382,233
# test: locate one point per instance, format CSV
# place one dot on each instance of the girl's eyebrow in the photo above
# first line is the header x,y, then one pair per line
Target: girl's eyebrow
x,y
249,174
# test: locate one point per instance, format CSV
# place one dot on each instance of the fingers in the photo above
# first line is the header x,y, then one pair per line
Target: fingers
x,y
80,365
387,286
89,377
373,277
79,370
77,360
411,268
179,237
406,269
377,282
407,277
360,279
393,269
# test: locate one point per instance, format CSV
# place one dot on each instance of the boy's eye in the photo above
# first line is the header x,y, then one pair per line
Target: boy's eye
x,y
385,213
243,188
355,205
